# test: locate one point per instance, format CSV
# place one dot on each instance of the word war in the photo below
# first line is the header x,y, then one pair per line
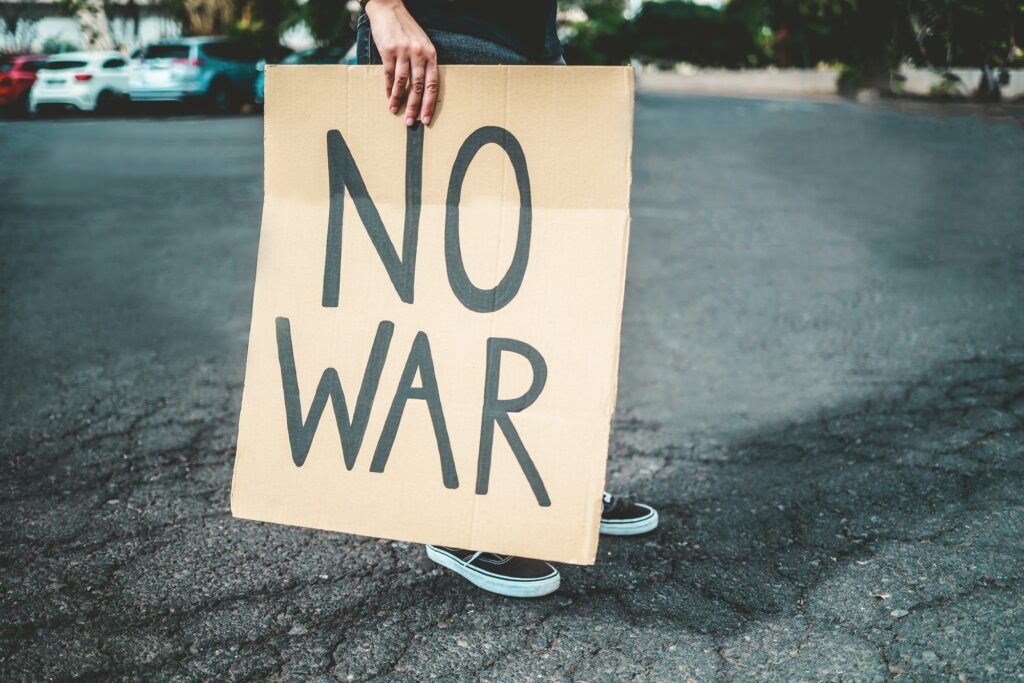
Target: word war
x,y
344,174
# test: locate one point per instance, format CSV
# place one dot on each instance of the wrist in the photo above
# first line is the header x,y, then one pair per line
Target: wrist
x,y
374,6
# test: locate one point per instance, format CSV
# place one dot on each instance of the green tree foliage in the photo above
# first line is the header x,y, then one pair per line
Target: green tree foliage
x,y
945,33
603,38
683,31
807,32
262,21
875,35
673,31
56,45
870,37
330,21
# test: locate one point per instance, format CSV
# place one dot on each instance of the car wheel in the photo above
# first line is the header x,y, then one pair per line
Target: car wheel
x,y
106,102
221,99
17,109
20,108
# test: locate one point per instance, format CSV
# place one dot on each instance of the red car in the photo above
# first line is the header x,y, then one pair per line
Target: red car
x,y
17,74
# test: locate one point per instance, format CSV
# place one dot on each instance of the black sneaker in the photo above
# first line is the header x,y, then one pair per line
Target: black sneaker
x,y
622,517
515,577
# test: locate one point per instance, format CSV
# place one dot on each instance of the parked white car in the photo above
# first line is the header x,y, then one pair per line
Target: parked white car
x,y
87,81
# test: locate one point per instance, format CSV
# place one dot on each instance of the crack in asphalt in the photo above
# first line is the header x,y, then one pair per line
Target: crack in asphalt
x,y
822,394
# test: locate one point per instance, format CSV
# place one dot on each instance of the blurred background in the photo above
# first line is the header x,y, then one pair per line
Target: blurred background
x,y
821,384
951,49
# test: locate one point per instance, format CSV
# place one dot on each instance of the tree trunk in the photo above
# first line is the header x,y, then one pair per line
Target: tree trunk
x,y
92,19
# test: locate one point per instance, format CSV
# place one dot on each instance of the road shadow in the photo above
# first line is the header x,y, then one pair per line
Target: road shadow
x,y
752,525
831,522
839,519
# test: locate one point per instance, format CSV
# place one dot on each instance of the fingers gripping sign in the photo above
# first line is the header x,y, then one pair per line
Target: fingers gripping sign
x,y
412,109
401,81
431,87
409,58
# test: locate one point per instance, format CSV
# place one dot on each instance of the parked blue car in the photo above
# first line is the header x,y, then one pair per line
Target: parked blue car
x,y
218,73
317,55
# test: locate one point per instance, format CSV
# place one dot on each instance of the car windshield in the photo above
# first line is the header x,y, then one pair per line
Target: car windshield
x,y
6,66
59,64
166,52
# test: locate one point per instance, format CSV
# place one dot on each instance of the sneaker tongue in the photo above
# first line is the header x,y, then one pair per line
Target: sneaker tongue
x,y
614,503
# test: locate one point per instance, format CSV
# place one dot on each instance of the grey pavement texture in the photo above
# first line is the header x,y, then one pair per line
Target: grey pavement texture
x,y
822,390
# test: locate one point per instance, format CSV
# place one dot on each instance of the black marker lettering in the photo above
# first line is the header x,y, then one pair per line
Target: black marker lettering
x,y
496,411
300,433
342,172
471,296
421,360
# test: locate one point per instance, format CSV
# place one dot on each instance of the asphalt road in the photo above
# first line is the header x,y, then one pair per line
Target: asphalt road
x,y
822,390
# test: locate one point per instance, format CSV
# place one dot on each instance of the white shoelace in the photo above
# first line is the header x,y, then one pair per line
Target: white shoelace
x,y
499,559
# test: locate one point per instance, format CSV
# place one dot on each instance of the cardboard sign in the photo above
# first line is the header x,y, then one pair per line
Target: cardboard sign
x,y
435,330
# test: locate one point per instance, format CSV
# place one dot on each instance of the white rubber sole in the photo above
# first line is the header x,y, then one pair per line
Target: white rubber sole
x,y
632,527
512,588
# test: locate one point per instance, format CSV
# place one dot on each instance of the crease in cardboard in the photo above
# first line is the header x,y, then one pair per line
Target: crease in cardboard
x,y
497,258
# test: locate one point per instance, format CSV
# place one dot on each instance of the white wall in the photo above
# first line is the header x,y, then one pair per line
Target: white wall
x,y
65,29
151,28
921,81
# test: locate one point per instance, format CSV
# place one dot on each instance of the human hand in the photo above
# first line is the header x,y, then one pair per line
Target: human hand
x,y
410,61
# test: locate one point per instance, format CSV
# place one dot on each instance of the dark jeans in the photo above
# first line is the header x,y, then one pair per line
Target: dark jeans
x,y
452,48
